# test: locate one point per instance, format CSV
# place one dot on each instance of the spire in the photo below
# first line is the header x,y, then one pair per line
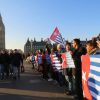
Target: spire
x,y
28,40
0,17
86,40
34,39
41,39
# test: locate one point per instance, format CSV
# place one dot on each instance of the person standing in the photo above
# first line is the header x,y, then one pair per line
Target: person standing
x,y
92,48
77,53
17,61
33,60
68,71
6,63
2,62
61,78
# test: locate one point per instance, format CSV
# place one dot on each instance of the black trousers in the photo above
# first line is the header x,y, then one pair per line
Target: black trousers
x,y
78,84
6,69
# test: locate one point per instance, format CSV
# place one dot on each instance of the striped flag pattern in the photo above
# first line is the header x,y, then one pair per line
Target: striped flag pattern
x,y
57,37
94,77
55,63
91,76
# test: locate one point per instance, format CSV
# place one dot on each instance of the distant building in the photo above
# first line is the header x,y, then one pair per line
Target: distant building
x,y
83,43
32,46
2,34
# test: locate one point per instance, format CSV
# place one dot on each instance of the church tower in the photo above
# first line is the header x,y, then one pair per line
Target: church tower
x,y
2,34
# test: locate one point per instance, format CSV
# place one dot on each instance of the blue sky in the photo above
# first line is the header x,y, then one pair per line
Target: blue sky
x,y
38,18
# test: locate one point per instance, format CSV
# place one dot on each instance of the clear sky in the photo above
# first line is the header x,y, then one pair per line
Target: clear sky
x,y
38,18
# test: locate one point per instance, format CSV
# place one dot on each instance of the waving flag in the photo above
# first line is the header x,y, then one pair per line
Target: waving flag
x,y
91,76
57,37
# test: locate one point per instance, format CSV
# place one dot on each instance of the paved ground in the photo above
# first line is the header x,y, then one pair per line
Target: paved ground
x,y
31,87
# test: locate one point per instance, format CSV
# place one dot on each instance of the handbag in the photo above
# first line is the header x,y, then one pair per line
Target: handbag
x,y
22,69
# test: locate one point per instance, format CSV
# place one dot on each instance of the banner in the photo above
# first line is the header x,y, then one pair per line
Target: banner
x,y
67,60
91,76
55,62
64,61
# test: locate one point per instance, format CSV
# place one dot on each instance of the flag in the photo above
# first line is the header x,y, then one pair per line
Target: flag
x,y
64,60
57,37
70,61
91,76
55,63
67,60
47,40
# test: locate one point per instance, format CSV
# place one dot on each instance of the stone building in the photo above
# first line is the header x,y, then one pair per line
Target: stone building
x,y
32,46
2,34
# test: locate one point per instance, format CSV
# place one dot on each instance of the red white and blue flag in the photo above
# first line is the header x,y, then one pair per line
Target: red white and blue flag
x,y
57,37
55,63
91,76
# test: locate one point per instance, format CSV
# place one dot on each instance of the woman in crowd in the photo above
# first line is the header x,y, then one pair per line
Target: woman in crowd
x,y
92,47
39,60
48,64
56,65
68,74
44,64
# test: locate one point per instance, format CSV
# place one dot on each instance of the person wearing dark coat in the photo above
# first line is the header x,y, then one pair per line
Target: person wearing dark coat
x,y
11,59
17,61
6,63
77,53
2,62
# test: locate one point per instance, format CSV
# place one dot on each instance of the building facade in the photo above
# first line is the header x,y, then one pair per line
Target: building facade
x,y
2,34
32,46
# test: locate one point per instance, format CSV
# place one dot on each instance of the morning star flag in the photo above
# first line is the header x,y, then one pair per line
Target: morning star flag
x,y
64,61
67,60
55,63
91,76
57,37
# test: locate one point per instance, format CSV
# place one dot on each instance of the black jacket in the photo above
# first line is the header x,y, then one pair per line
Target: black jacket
x,y
17,59
2,58
77,53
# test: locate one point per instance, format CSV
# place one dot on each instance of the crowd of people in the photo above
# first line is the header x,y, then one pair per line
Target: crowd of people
x,y
69,77
10,64
49,63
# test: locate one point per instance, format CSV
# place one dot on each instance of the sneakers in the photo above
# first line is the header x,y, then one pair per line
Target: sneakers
x,y
50,79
